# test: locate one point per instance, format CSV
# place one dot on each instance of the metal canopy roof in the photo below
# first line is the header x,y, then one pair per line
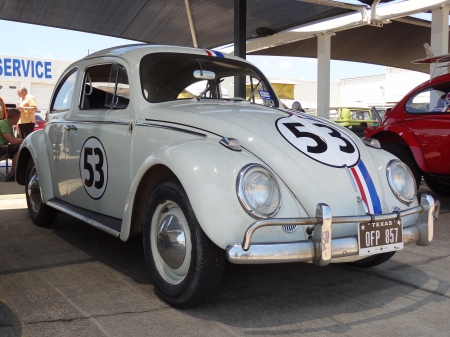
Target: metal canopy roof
x,y
165,21
395,44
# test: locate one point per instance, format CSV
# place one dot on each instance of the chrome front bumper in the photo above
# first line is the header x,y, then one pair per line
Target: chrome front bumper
x,y
320,249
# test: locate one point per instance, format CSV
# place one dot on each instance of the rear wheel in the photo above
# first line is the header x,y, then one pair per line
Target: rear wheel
x,y
186,266
40,213
404,154
372,261
439,186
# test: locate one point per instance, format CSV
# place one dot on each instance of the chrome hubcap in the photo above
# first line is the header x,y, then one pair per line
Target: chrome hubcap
x,y
34,191
171,245
171,241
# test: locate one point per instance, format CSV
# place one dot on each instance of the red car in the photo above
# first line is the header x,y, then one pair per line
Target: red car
x,y
39,123
417,131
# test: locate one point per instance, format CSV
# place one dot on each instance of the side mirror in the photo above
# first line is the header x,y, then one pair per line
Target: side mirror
x,y
204,74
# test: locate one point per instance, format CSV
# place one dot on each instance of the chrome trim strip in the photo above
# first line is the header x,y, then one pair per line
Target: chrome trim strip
x,y
172,128
421,232
181,124
351,178
97,122
83,218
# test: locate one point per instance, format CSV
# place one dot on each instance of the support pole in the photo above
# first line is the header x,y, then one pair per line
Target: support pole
x,y
240,25
439,36
191,23
323,74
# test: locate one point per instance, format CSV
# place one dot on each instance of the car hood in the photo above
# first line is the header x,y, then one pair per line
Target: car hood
x,y
318,160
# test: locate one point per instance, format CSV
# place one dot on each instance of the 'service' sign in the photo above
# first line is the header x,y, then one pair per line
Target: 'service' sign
x,y
16,67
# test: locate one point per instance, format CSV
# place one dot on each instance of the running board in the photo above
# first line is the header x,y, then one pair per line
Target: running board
x,y
105,223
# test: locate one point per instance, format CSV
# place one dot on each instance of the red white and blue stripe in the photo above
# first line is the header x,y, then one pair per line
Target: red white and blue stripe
x,y
213,53
366,188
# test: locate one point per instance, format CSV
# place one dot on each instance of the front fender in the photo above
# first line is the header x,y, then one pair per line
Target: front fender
x,y
208,172
35,147
398,133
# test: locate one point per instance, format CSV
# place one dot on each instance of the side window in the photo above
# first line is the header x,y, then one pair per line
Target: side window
x,y
105,87
359,115
431,100
64,93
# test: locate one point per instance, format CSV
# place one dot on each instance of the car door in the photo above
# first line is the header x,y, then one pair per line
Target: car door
x,y
98,139
60,109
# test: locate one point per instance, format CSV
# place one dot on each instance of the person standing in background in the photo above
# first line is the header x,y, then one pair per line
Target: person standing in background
x,y
27,107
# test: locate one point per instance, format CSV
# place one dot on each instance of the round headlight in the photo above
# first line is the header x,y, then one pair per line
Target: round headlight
x,y
401,181
258,191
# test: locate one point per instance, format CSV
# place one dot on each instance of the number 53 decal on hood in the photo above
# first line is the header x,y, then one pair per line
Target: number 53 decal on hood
x,y
319,141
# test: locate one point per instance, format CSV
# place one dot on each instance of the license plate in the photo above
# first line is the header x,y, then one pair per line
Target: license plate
x,y
380,237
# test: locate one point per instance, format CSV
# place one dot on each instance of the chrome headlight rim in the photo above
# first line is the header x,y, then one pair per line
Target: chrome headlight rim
x,y
240,192
392,183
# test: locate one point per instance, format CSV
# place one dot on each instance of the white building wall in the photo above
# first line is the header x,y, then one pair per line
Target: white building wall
x,y
39,76
381,89
367,90
399,82
306,93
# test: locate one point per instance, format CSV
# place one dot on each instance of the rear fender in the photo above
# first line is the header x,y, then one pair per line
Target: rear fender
x,y
35,147
399,134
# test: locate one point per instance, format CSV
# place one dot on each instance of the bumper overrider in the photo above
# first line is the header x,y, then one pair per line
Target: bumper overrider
x,y
321,248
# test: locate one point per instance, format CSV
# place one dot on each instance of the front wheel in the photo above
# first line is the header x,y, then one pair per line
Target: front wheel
x,y
40,213
186,266
439,186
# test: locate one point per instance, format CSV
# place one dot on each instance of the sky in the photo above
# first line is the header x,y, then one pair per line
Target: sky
x,y
19,39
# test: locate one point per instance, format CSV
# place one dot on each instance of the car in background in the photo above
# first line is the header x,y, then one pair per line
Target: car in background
x,y
354,116
3,113
417,131
39,122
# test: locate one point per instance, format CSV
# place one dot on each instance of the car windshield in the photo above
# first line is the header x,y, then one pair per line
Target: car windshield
x,y
169,77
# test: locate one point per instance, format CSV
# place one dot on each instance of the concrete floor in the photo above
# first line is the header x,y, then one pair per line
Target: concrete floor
x,y
73,280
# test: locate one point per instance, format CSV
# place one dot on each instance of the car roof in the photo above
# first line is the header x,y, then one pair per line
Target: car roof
x,y
139,50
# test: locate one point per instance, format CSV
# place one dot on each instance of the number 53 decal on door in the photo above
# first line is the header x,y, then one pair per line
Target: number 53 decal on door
x,y
94,167
319,141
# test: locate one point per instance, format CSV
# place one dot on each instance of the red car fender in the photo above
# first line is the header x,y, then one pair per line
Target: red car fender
x,y
397,133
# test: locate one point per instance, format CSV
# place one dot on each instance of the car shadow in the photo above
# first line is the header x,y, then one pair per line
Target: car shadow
x,y
261,298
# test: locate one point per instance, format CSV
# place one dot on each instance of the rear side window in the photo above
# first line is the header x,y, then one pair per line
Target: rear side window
x,y
359,115
432,100
105,86
62,98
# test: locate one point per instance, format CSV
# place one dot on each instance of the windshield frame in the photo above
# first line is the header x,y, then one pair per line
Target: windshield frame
x,y
242,64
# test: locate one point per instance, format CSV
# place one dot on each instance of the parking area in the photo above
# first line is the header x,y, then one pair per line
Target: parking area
x,y
71,279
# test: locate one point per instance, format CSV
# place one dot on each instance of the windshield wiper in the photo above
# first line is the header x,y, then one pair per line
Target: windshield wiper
x,y
209,87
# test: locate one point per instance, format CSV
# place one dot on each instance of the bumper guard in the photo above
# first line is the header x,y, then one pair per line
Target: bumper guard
x,y
321,248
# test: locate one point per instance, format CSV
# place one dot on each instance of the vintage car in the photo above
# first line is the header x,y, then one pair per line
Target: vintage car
x,y
210,178
417,131
353,114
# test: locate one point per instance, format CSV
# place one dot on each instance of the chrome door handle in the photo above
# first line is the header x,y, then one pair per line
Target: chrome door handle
x,y
70,127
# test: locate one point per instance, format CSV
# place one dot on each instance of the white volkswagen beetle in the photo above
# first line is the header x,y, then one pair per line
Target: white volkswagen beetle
x,y
129,149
